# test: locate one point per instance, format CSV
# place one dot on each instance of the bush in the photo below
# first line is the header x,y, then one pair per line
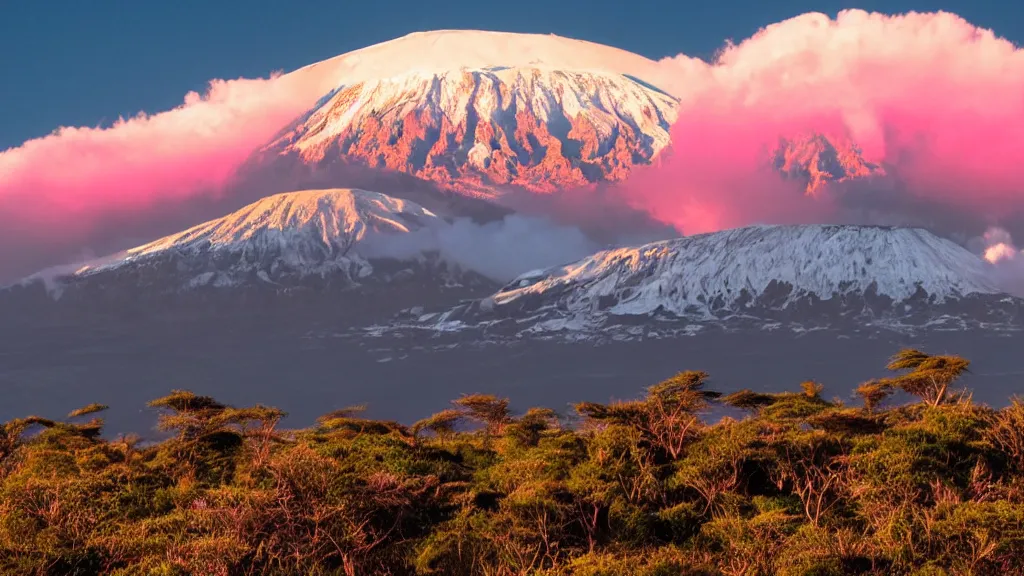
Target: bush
x,y
800,487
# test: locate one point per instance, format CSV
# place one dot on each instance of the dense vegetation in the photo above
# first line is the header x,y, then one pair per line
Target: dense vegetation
x,y
799,486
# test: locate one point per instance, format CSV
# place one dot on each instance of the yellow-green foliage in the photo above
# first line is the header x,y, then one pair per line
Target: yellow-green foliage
x,y
801,486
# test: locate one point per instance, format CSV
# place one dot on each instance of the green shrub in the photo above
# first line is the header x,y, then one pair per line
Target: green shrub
x,y
799,487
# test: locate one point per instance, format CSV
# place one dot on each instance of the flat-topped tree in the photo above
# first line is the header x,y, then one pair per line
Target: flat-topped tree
x,y
874,392
94,426
259,424
486,409
349,420
211,433
88,409
666,415
341,417
779,407
442,424
528,428
928,377
749,400
190,415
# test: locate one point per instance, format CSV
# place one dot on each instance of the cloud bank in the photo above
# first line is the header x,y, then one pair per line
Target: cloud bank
x,y
935,101
56,191
500,250
505,249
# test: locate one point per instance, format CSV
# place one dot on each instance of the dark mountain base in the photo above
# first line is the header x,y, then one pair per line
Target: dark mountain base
x,y
151,298
857,312
50,372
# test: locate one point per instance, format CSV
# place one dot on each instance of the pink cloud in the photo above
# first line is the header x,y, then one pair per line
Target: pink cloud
x,y
59,188
937,101
996,246
191,149
1001,252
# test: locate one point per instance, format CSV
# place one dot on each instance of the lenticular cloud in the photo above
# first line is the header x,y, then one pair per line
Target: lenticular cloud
x,y
936,102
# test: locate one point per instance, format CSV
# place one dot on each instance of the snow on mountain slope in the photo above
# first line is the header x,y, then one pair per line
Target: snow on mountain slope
x,y
800,275
303,228
698,271
478,129
296,234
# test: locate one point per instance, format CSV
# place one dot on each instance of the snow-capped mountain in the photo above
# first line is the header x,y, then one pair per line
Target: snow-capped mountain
x,y
476,111
763,276
290,235
483,113
338,244
477,130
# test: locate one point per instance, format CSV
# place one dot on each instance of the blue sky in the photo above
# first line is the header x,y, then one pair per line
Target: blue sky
x,y
75,62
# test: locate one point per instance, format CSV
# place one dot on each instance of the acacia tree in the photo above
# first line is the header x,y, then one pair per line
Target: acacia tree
x,y
442,424
324,516
674,407
928,377
88,409
667,415
620,460
528,428
714,466
11,433
91,428
749,400
874,392
191,416
486,409
258,424
348,421
210,432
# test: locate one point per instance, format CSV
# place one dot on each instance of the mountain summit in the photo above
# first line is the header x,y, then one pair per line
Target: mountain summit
x,y
481,111
484,113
